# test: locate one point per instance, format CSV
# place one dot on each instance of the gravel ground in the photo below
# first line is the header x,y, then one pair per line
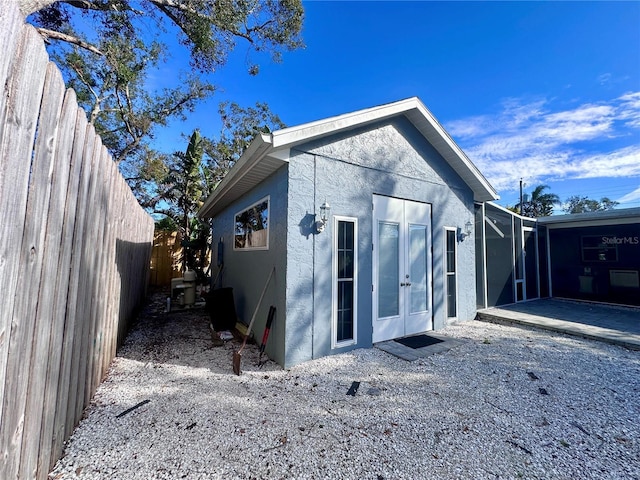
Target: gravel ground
x,y
508,402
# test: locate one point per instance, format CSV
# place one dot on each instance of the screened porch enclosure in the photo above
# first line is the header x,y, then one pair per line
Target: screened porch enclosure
x,y
509,250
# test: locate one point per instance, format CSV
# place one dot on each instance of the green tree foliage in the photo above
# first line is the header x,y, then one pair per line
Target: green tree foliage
x,y
582,204
178,185
166,224
239,127
514,208
110,52
183,192
182,186
538,203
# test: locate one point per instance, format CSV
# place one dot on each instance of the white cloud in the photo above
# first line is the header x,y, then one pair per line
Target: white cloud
x,y
629,110
620,163
530,141
630,197
604,79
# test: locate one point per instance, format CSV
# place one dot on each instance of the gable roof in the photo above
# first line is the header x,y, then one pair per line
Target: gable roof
x,y
268,152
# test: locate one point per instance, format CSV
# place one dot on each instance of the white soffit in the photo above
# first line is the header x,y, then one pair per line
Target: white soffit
x,y
256,164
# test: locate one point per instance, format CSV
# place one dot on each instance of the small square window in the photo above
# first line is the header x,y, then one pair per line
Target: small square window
x,y
251,229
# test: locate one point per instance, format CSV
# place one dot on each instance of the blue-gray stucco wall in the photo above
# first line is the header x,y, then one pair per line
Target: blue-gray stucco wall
x,y
390,158
247,271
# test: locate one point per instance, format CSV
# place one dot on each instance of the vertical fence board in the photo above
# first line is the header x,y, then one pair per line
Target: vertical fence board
x,y
10,25
35,285
117,281
100,366
77,280
56,270
65,301
87,268
100,216
114,214
20,128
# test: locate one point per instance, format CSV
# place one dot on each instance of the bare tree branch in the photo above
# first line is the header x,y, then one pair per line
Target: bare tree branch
x,y
47,34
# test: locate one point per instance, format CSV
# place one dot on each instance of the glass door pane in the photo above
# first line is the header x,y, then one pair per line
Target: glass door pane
x,y
518,249
417,268
345,311
531,264
388,269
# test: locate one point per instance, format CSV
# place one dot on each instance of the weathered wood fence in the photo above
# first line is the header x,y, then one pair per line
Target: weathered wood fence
x,y
74,255
166,258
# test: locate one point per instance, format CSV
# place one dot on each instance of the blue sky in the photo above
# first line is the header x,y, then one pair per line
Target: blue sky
x,y
544,91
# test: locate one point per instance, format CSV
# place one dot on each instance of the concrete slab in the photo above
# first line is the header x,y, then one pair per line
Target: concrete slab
x,y
614,324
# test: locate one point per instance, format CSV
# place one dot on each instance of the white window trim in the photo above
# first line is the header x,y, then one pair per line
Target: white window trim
x,y
446,274
334,284
233,235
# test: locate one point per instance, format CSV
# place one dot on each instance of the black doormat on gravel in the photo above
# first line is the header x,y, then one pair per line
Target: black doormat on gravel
x,y
418,341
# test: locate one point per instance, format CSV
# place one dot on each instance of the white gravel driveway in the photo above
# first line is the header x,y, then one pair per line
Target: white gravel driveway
x,y
508,402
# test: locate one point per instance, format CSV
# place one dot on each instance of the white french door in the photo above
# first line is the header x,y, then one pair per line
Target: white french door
x,y
402,276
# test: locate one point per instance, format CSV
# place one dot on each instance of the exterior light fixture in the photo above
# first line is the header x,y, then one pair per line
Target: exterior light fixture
x,y
467,231
324,216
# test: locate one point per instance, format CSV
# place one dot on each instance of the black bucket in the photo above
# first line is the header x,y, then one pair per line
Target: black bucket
x,y
221,308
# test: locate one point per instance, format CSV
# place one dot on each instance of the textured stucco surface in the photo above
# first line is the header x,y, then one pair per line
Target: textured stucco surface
x,y
247,271
392,159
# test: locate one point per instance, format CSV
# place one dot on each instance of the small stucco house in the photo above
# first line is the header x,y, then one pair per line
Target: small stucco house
x,y
367,219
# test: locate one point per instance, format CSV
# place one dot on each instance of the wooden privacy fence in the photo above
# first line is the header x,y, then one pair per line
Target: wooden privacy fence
x,y
74,255
166,258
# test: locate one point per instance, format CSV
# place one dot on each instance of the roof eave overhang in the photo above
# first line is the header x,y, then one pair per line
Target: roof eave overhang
x,y
258,162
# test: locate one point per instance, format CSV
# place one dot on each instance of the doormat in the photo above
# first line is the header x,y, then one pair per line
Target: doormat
x,y
418,341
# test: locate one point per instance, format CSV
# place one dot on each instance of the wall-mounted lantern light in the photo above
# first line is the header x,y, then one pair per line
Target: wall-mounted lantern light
x,y
324,217
464,234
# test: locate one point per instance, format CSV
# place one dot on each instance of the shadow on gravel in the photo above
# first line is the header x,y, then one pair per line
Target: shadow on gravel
x,y
183,338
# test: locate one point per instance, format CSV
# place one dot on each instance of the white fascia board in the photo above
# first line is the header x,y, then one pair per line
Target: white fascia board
x,y
422,119
303,133
506,210
594,222
603,222
620,215
277,146
257,149
483,191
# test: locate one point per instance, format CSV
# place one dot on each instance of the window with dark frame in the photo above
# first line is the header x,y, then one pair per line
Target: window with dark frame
x,y
345,278
251,228
451,243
